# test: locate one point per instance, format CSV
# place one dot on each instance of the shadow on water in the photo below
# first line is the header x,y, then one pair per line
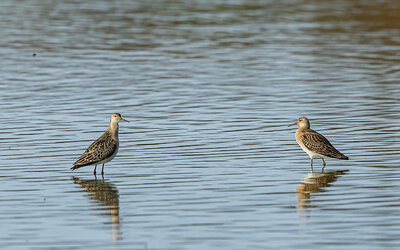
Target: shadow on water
x,y
107,194
314,183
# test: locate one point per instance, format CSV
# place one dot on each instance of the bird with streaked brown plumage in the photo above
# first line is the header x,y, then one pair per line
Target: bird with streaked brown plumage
x,y
315,144
103,149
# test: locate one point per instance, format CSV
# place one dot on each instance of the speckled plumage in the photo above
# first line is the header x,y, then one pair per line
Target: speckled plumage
x,y
103,149
315,144
98,151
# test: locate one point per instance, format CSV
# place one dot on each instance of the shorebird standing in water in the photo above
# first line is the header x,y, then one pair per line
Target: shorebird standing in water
x,y
103,149
315,144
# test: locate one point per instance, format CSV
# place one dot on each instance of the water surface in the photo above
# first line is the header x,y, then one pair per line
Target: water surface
x,y
207,161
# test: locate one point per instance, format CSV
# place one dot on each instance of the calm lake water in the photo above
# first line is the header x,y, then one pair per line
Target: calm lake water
x,y
207,161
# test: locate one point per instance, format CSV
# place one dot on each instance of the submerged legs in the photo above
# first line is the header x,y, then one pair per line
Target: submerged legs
x,y
102,170
312,170
324,164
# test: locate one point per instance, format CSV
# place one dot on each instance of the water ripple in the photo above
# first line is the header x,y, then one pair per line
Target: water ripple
x,y
207,161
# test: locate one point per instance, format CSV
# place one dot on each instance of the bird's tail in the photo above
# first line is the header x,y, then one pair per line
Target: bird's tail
x,y
75,167
343,157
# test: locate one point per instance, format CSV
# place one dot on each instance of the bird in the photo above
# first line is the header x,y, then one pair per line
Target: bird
x,y
103,149
315,144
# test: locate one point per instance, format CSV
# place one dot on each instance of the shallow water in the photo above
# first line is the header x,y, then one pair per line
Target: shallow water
x,y
207,161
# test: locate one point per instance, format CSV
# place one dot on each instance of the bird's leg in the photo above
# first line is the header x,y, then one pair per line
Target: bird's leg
x,y
324,164
94,171
102,170
312,170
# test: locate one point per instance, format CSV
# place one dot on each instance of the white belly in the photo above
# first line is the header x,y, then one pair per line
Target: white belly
x,y
312,154
111,157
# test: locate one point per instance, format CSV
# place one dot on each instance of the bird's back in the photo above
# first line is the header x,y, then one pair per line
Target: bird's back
x,y
101,149
317,143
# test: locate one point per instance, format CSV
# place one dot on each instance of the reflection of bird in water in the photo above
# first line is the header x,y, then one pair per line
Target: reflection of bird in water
x,y
314,183
107,194
315,144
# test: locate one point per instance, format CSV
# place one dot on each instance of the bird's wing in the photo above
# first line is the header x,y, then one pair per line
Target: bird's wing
x,y
99,150
319,144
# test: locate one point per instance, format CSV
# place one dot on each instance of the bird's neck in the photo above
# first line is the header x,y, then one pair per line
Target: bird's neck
x,y
113,128
302,128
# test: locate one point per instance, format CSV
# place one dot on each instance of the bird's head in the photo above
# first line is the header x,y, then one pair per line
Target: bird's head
x,y
116,117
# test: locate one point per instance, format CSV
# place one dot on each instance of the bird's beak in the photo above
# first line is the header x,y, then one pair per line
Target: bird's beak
x,y
292,124
122,119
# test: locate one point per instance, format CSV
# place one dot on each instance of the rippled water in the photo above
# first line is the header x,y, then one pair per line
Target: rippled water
x,y
207,161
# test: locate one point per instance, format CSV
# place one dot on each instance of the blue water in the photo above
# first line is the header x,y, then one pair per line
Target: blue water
x,y
207,161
